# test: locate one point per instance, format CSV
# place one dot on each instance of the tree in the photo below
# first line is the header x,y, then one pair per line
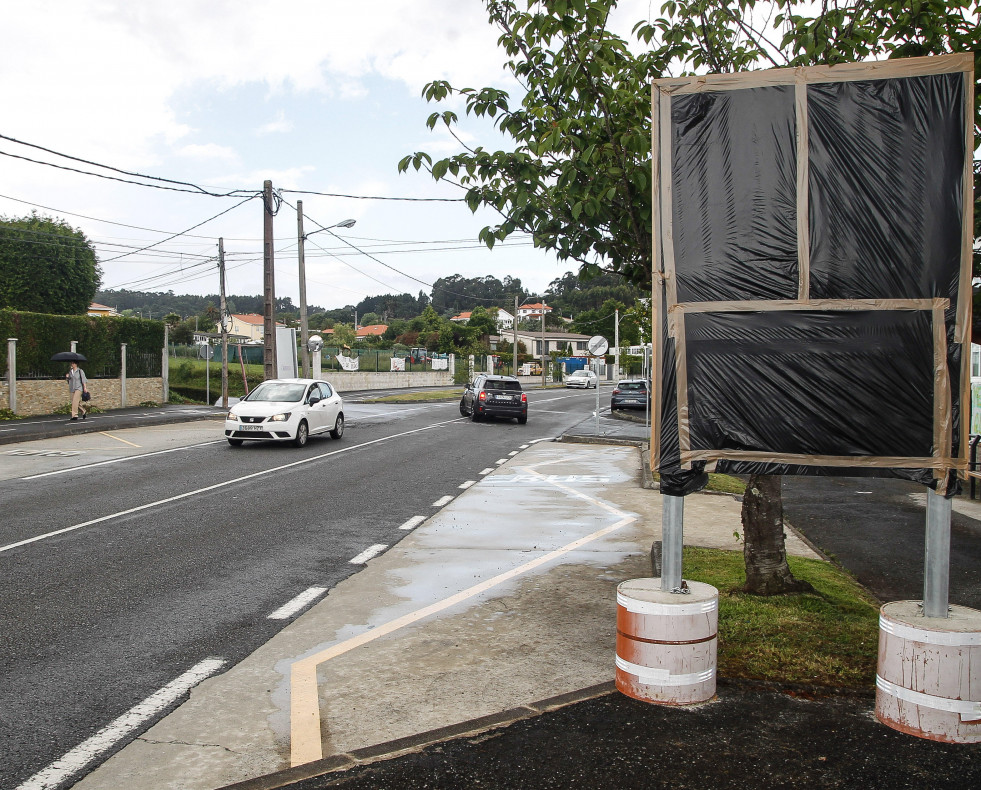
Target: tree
x,y
482,322
578,178
344,335
46,266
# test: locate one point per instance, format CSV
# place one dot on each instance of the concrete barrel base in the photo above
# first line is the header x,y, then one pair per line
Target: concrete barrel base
x,y
928,681
666,642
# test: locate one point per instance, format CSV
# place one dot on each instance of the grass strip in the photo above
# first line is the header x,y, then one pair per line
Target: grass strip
x,y
827,638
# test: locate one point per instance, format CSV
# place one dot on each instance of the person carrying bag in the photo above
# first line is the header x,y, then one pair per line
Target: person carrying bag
x,y
78,390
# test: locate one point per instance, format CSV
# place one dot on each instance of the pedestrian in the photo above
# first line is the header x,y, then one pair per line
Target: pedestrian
x,y
77,384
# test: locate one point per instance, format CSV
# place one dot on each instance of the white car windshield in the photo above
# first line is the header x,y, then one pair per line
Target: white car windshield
x,y
580,374
277,391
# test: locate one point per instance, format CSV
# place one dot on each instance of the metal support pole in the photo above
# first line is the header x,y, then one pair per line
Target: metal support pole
x,y
936,570
165,367
122,375
597,369
672,541
12,374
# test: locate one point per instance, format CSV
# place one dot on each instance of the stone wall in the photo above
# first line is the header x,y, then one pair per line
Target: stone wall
x,y
43,396
351,381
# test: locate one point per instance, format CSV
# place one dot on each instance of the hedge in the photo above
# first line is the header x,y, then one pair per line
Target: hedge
x,y
40,335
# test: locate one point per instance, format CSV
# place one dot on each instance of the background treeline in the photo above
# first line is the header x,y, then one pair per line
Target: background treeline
x,y
568,295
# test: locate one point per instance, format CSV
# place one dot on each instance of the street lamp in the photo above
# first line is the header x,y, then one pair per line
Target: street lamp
x,y
301,237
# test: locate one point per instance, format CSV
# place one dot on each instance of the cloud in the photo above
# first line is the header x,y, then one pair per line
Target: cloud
x,y
208,151
277,126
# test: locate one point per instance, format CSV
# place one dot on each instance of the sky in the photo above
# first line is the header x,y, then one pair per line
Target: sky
x,y
316,96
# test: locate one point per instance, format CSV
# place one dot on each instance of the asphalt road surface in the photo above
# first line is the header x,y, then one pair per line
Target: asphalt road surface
x,y
877,529
127,560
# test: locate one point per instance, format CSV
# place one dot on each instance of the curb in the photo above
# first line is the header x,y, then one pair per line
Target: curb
x,y
412,743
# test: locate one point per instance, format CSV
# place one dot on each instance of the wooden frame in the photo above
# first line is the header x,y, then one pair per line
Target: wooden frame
x,y
665,285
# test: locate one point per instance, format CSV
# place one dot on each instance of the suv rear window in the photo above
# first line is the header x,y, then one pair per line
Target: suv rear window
x,y
511,386
633,385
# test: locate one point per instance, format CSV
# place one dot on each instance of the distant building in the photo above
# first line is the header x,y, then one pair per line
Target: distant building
x,y
532,311
504,319
248,325
100,310
375,330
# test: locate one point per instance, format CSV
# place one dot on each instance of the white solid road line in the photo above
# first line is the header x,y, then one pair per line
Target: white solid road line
x,y
443,501
105,739
216,486
368,553
286,611
413,522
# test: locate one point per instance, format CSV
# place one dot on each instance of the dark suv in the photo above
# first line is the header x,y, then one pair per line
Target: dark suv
x,y
630,394
494,396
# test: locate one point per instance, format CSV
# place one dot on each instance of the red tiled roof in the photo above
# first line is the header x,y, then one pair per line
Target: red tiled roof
x,y
372,331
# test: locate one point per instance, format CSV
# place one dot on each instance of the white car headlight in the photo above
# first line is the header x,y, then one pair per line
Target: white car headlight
x,y
231,416
280,417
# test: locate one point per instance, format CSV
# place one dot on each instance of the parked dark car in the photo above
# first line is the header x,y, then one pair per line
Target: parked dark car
x,y
494,396
630,394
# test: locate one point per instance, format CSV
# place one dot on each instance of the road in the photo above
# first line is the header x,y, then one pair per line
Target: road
x,y
876,529
130,558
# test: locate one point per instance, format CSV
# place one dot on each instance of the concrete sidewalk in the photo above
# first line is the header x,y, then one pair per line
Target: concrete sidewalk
x,y
505,597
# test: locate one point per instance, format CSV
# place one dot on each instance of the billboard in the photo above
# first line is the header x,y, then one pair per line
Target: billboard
x,y
812,271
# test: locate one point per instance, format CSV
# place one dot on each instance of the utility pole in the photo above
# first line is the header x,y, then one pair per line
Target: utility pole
x,y
223,323
514,327
304,329
271,369
544,351
616,348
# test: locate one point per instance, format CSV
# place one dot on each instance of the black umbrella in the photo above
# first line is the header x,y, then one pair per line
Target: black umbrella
x,y
68,356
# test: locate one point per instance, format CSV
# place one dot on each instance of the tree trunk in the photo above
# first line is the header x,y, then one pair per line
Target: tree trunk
x,y
764,548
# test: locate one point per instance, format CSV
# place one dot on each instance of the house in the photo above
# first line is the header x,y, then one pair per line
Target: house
x,y
375,330
97,309
554,341
504,319
533,311
248,325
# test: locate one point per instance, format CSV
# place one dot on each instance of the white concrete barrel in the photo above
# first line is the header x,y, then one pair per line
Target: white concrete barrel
x,y
666,642
928,681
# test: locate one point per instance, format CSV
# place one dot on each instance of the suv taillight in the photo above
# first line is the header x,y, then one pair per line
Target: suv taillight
x,y
616,391
482,396
524,398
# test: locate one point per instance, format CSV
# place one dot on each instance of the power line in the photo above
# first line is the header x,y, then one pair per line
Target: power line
x,y
194,188
205,222
370,197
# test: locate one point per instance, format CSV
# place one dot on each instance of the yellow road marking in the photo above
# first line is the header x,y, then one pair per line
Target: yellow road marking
x,y
118,439
305,739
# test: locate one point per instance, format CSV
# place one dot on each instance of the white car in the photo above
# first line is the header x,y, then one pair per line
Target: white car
x,y
581,378
286,410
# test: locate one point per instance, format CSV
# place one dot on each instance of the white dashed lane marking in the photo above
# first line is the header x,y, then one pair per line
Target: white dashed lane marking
x,y
367,554
286,611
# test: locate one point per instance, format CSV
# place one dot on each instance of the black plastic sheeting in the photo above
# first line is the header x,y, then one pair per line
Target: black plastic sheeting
x,y
885,179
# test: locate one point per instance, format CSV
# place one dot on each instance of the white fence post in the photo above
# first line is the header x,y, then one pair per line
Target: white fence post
x,y
122,376
165,365
12,373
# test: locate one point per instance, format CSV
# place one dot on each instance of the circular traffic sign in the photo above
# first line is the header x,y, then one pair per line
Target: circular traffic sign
x,y
597,345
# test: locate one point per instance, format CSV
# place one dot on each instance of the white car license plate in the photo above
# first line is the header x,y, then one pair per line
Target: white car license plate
x,y
504,397
250,427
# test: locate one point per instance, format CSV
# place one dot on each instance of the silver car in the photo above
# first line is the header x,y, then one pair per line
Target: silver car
x,y
286,410
581,378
